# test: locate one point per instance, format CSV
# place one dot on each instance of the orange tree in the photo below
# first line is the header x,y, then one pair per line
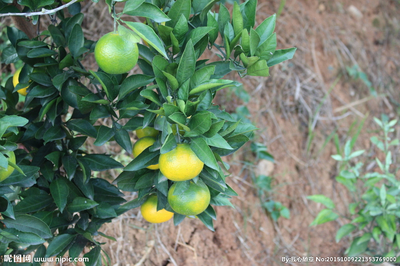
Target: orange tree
x,y
51,195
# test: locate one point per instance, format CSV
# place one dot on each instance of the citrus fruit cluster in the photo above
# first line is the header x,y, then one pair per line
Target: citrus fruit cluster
x,y
179,164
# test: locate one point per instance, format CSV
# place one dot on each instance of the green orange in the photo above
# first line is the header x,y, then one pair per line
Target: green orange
x,y
146,132
5,173
116,53
193,201
150,213
180,164
141,145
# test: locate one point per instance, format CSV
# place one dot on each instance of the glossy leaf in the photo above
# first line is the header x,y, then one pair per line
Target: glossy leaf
x,y
201,149
148,34
28,223
58,244
100,162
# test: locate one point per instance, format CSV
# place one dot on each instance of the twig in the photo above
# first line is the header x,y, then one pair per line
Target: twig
x,y
355,103
149,247
164,248
39,13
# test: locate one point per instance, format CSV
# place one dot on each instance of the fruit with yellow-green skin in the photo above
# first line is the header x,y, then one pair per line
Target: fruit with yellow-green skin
x,y
146,132
150,213
141,145
16,82
116,53
5,173
193,201
180,164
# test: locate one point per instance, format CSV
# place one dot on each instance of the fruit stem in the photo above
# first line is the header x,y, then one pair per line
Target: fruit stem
x,y
114,16
177,133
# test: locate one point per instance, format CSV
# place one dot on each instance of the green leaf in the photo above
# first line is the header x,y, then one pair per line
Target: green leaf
x,y
104,134
124,140
148,34
59,193
223,18
80,204
181,28
254,41
131,5
221,200
24,237
82,126
199,124
187,64
40,53
377,232
132,204
212,84
76,41
93,257
151,95
324,216
266,49
58,244
144,159
266,28
382,195
218,141
201,149
237,20
57,35
249,9
344,231
169,144
281,55
54,133
94,98
322,199
178,218
30,224
100,162
356,249
365,238
180,7
104,211
206,219
146,180
181,187
172,81
212,22
259,69
147,10
201,75
33,203
198,33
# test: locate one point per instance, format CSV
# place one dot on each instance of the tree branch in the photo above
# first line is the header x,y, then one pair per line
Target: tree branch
x,y
39,13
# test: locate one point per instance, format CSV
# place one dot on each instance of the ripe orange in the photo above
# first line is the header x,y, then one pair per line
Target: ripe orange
x,y
192,201
150,213
141,145
116,53
146,132
16,82
5,173
180,164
